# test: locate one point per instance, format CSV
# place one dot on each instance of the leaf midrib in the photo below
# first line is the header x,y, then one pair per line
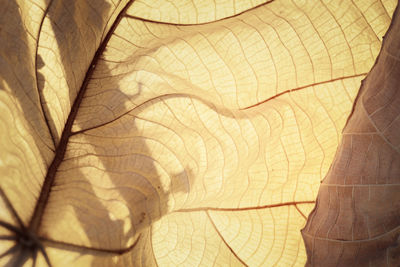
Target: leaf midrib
x,y
36,219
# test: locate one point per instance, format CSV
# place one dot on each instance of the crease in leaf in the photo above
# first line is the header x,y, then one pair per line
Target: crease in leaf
x,y
149,118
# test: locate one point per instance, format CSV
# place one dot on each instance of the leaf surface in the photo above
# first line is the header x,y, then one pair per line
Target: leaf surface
x,y
357,211
149,133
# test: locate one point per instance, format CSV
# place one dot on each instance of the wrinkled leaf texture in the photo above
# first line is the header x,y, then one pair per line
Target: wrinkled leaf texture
x,y
356,221
185,133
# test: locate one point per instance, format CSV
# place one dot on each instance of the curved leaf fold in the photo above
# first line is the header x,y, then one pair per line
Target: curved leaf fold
x,y
152,133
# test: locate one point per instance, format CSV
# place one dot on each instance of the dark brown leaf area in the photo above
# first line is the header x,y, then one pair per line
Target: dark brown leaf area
x,y
356,221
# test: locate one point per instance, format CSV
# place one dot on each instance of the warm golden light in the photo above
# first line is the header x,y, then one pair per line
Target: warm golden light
x,y
173,133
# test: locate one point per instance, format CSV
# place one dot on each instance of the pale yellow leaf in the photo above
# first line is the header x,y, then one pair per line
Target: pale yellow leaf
x,y
168,133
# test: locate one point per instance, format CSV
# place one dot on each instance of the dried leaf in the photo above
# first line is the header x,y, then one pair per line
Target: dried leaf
x,y
145,133
356,221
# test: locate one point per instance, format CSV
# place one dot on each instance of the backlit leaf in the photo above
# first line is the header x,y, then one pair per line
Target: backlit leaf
x,y
193,133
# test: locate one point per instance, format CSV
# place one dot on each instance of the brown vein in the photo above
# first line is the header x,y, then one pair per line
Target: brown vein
x,y
223,239
305,86
61,148
208,103
11,209
47,120
247,208
202,23
79,248
301,213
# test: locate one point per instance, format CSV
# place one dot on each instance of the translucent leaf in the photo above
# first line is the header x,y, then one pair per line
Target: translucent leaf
x,y
145,133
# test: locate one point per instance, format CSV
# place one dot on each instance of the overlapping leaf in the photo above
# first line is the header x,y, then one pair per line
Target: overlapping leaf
x,y
357,216
135,136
